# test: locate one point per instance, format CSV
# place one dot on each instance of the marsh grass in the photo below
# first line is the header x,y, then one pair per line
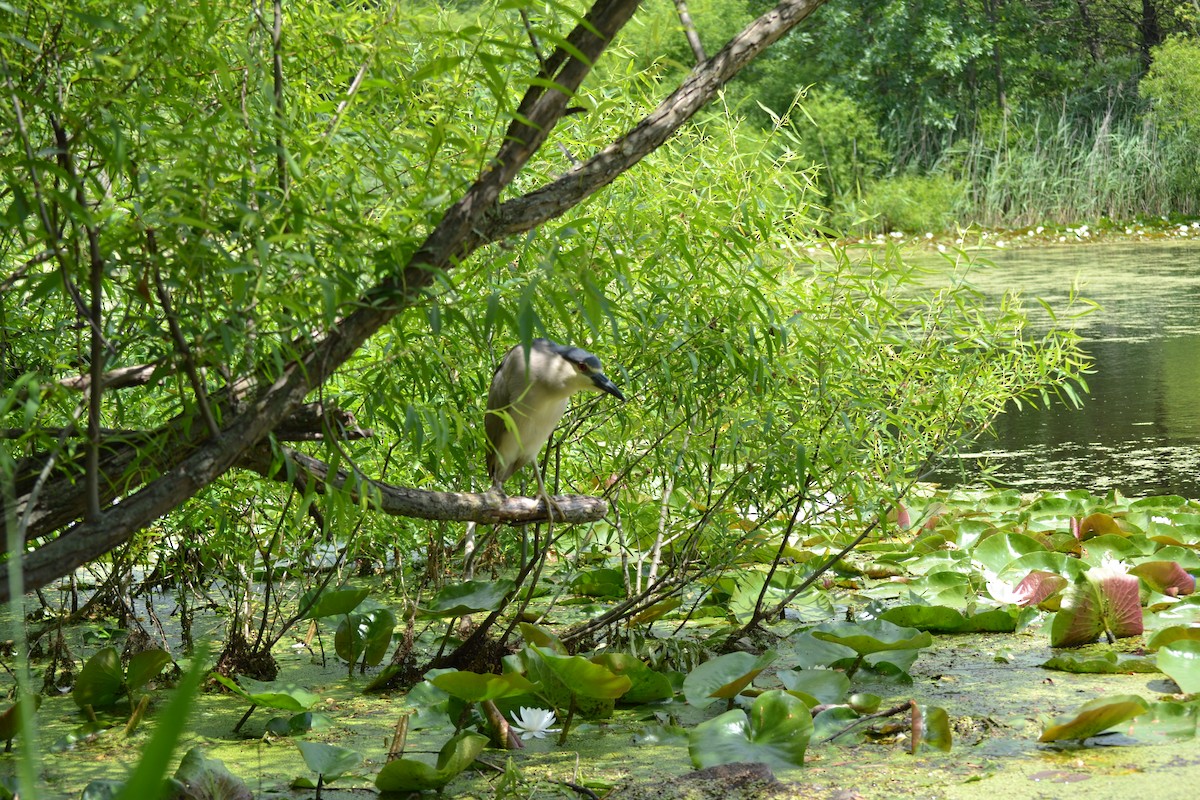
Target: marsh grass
x,y
1062,170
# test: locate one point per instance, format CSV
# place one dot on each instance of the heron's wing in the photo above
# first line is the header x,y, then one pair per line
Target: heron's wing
x,y
499,399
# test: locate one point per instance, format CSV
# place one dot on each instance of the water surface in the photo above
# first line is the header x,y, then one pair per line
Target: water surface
x,y
1139,430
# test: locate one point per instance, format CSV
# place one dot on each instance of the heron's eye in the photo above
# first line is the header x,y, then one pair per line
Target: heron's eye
x,y
579,365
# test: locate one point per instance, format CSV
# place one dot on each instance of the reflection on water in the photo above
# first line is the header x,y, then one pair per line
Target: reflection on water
x,y
1139,431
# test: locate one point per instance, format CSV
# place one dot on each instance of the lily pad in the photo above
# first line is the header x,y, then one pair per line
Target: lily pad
x,y
269,694
1180,659
365,636
410,775
930,729
1106,663
1105,601
1165,577
942,619
475,687
204,777
824,685
724,677
648,686
469,597
145,667
873,636
327,760
1095,717
775,732
101,681
333,602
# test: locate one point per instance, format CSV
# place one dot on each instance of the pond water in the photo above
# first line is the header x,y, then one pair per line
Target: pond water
x,y
1139,430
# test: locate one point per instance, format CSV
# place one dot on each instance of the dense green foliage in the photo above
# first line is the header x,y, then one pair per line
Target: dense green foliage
x,y
207,192
1008,100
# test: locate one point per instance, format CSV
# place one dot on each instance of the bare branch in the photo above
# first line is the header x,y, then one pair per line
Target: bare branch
x,y
486,509
689,30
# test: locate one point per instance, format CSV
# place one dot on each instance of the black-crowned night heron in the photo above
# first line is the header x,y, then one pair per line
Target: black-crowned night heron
x,y
529,396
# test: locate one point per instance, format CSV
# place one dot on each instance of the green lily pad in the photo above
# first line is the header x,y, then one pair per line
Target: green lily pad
x,y
269,694
648,686
101,681
410,775
10,720
775,732
837,722
1106,663
873,636
1180,659
145,667
333,602
327,760
474,687
1095,717
599,582
724,677
997,552
1172,634
543,638
824,685
365,636
585,678
299,724
931,729
1169,721
942,619
469,597
204,777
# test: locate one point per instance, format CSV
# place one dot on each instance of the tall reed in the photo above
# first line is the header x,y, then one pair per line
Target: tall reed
x,y
1064,170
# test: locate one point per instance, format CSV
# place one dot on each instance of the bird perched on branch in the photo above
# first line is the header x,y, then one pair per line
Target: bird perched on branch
x,y
528,397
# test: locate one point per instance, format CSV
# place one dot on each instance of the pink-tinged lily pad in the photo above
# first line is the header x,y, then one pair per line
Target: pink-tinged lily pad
x,y
1181,660
1107,601
930,729
1166,577
1095,717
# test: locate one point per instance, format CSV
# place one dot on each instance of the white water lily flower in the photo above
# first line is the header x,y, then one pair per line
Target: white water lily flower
x,y
533,723
1109,568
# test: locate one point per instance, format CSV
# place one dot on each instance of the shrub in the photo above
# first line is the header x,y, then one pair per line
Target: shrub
x,y
912,203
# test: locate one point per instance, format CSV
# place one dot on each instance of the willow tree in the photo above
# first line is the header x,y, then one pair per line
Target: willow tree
x,y
230,227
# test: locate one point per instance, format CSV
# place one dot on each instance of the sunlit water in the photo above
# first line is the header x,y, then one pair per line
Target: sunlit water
x,y
1139,431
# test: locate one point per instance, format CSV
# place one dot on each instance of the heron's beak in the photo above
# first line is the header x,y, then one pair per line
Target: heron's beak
x,y
605,385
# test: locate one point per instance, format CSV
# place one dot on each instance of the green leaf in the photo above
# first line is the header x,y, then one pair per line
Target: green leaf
x,y
584,678
145,667
873,636
826,685
469,597
724,677
268,694
148,776
100,681
366,635
1180,659
327,760
333,602
10,720
1105,663
474,687
298,724
931,728
207,778
1095,717
775,732
410,775
648,686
